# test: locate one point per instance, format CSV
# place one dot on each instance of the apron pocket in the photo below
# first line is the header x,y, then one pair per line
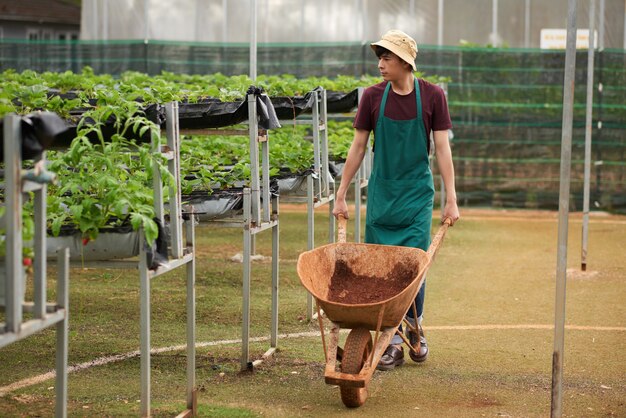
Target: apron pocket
x,y
396,203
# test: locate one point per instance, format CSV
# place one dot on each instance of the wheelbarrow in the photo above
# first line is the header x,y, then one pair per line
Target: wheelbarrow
x,y
366,288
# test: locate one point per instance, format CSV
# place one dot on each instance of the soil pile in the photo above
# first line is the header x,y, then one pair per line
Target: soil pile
x,y
351,288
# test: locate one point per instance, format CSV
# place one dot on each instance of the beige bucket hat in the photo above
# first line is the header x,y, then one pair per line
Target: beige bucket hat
x,y
400,44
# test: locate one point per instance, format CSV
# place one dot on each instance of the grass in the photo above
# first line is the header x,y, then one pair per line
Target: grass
x,y
495,268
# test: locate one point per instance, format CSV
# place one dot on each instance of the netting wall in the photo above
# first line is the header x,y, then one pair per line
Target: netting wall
x,y
506,104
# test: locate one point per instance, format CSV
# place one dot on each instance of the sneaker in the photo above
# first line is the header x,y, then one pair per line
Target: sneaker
x,y
418,342
393,357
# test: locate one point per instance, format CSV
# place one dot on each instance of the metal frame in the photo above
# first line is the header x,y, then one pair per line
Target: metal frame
x,y
320,184
361,180
46,314
260,213
182,255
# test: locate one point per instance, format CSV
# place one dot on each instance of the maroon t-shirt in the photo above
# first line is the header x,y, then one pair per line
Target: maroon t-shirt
x,y
434,107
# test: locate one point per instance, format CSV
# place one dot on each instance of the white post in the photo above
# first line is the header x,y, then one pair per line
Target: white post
x,y
225,24
601,24
146,20
624,24
440,23
494,23
588,122
105,21
253,38
94,19
564,194
527,24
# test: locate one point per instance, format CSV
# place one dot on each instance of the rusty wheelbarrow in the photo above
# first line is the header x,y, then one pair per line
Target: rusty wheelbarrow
x,y
363,287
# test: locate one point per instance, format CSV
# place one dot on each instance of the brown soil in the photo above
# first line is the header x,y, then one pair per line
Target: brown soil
x,y
350,288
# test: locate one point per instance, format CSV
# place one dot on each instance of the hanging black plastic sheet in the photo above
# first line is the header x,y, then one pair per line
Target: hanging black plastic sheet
x,y
222,203
339,102
40,131
213,113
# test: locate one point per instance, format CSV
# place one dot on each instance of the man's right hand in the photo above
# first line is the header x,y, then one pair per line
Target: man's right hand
x,y
341,208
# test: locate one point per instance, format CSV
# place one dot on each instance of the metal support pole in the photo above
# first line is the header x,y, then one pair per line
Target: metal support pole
x,y
245,310
316,144
105,20
331,222
40,285
62,329
265,170
94,20
310,236
144,314
357,204
440,23
275,271
327,180
173,142
588,122
494,23
624,24
13,220
564,194
253,38
146,20
526,23
157,185
601,25
191,316
255,186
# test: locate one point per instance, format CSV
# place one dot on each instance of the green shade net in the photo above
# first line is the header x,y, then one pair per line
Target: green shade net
x,y
506,104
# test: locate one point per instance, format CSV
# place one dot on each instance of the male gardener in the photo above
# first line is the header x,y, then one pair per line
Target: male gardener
x,y
400,190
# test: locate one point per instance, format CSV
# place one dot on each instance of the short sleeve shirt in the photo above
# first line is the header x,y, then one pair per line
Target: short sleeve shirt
x,y
435,112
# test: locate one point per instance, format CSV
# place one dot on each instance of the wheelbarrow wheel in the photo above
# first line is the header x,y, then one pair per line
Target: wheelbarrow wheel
x,y
355,352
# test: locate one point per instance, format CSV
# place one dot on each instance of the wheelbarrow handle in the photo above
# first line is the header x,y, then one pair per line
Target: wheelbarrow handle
x,y
341,228
438,239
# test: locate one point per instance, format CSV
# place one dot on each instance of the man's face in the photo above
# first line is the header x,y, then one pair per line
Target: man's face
x,y
391,67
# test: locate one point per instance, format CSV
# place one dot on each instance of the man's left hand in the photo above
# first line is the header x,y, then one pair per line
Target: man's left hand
x,y
451,211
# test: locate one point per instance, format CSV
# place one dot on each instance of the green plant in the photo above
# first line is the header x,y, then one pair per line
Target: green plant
x,y
106,183
28,232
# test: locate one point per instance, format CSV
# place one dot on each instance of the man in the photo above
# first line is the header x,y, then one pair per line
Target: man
x,y
400,191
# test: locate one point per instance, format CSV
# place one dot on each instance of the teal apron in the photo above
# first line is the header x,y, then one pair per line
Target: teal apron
x,y
400,190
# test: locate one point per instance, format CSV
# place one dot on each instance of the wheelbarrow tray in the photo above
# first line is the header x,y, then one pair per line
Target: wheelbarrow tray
x,y
374,262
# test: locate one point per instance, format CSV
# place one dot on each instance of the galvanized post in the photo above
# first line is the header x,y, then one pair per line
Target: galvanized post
x,y
245,310
601,24
173,142
157,183
494,22
440,23
40,285
13,220
255,186
62,327
331,222
275,271
191,314
265,172
253,39
310,236
526,23
144,318
357,205
564,194
326,177
588,122
316,144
